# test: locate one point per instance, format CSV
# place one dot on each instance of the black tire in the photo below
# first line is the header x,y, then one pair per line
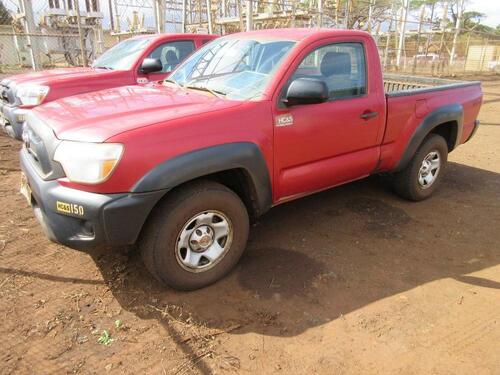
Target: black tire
x,y
159,238
406,182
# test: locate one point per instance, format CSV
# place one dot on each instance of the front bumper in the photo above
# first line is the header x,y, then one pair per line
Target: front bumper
x,y
82,220
12,120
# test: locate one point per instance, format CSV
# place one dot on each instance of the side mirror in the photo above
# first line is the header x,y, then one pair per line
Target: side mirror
x,y
151,66
306,91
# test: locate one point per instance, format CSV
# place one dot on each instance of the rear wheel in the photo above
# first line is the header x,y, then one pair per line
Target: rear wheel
x,y
424,172
195,236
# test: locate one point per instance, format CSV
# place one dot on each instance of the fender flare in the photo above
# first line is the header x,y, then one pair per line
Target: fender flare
x,y
447,113
206,161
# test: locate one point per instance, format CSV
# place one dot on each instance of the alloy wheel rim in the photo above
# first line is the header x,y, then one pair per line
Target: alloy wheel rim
x,y
203,241
429,170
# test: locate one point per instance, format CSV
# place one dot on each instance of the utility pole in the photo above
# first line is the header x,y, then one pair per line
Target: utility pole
x,y
404,17
80,33
457,31
184,15
249,15
443,30
30,28
159,16
117,15
240,13
209,16
429,35
388,41
422,15
337,6
370,12
111,17
320,13
223,15
347,10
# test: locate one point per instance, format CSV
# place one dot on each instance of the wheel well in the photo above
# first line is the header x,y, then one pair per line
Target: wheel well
x,y
239,181
447,130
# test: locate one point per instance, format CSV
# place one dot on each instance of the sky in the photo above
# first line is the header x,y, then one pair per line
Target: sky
x,y
490,7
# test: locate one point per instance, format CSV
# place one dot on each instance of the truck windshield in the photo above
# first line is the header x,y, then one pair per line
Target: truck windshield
x,y
234,68
123,55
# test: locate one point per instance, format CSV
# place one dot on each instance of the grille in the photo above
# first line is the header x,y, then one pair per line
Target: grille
x,y
3,94
40,143
7,95
37,150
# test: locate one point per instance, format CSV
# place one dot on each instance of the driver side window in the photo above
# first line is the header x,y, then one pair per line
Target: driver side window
x,y
172,53
341,66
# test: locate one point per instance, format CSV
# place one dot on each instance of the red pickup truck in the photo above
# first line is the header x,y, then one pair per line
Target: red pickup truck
x,y
249,121
136,60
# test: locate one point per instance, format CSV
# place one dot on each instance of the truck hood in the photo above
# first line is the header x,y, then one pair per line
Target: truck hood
x,y
45,77
97,116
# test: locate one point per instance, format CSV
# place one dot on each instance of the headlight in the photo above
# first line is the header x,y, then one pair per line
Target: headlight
x,y
31,94
88,163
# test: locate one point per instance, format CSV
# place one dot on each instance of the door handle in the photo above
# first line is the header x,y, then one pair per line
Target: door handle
x,y
368,115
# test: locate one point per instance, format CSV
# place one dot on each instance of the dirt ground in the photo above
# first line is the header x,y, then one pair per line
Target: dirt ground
x,y
352,280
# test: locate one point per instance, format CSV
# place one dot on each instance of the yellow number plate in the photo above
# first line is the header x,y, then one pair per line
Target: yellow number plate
x,y
70,208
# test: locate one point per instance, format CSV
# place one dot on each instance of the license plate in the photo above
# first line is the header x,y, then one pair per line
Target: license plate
x,y
25,189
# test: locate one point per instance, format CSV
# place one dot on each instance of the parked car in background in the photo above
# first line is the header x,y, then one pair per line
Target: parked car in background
x,y
426,58
247,122
136,60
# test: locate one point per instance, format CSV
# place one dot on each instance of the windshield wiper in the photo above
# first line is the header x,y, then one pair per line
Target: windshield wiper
x,y
216,93
174,82
104,67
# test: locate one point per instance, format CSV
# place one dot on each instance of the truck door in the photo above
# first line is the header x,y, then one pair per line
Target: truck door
x,y
321,145
170,54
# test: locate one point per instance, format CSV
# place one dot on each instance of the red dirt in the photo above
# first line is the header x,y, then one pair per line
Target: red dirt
x,y
352,280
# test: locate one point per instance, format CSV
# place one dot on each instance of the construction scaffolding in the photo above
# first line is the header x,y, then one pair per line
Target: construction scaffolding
x,y
435,37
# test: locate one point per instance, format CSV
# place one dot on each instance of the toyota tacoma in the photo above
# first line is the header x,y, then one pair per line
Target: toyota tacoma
x,y
133,61
248,122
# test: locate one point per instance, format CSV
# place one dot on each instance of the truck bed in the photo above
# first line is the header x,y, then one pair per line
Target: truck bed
x,y
411,99
402,85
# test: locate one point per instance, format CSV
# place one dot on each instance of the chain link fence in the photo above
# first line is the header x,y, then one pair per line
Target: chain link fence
x,y
474,53
43,34
36,34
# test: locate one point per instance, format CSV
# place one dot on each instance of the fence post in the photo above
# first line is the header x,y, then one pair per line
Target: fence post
x,y
483,54
466,51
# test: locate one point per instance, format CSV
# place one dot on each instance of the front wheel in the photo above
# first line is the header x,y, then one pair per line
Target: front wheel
x,y
425,170
195,236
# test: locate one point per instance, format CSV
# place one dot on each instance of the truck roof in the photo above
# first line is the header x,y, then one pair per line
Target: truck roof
x,y
175,36
302,33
